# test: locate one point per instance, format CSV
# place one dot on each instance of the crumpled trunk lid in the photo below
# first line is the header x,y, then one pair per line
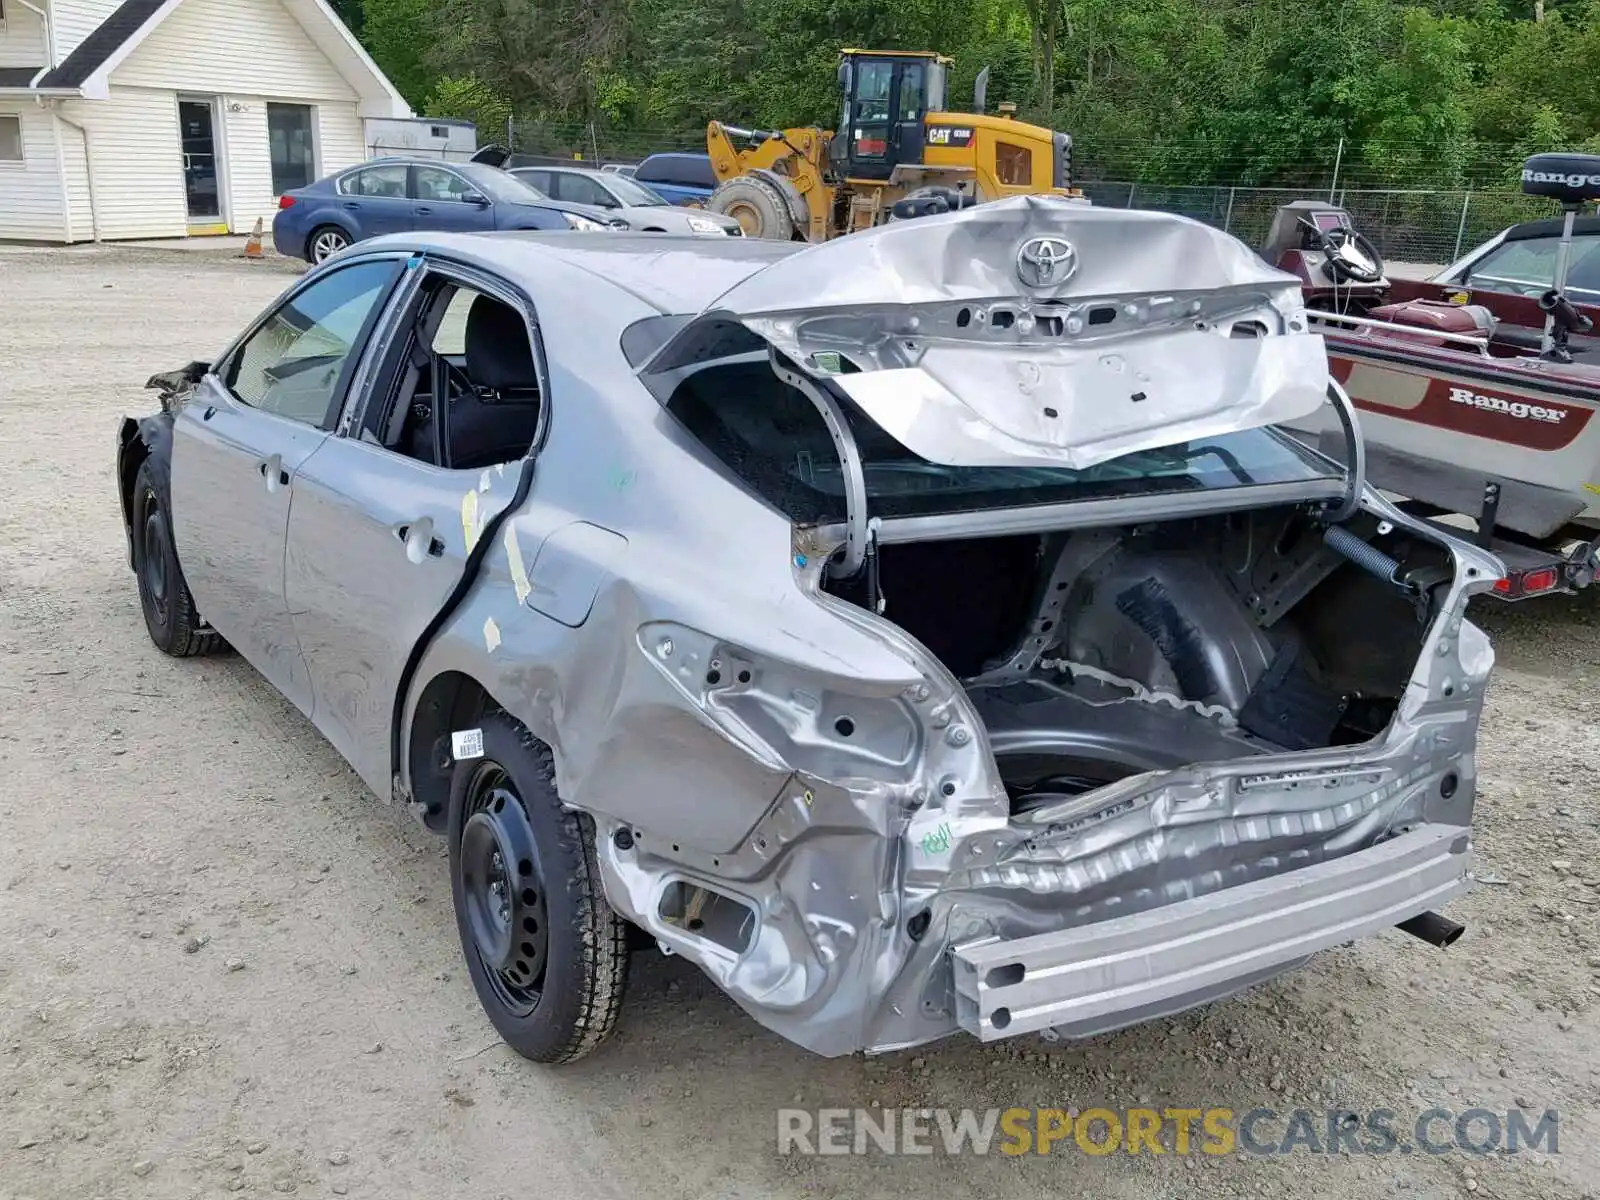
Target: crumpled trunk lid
x,y
1032,332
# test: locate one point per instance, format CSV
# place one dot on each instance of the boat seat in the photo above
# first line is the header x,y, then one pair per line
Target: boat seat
x,y
1569,178
1468,320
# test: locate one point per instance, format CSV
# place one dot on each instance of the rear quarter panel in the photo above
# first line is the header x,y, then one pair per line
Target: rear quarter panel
x,y
628,742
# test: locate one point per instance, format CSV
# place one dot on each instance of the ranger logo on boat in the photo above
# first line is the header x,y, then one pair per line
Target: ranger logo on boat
x,y
1570,179
1515,408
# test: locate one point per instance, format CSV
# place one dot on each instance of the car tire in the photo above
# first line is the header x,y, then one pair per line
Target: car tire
x,y
759,207
325,241
546,954
169,610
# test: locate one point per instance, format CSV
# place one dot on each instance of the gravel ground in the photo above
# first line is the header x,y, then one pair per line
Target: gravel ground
x,y
225,968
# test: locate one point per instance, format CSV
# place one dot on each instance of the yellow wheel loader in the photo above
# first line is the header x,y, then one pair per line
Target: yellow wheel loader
x,y
897,152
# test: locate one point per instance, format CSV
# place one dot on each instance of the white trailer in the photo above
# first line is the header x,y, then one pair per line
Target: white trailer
x,y
433,137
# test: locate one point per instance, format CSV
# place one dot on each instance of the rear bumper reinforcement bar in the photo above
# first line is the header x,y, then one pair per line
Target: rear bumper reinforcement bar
x,y
1098,977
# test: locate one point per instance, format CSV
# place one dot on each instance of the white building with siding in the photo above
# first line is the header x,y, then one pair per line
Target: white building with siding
x,y
168,118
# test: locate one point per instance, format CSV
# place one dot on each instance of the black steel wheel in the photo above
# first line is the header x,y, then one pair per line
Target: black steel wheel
x,y
169,611
547,956
503,890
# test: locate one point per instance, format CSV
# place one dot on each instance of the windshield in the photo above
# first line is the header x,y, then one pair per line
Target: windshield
x,y
632,195
775,440
501,186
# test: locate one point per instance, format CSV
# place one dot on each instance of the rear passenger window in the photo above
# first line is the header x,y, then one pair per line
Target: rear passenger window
x,y
387,181
768,434
466,389
451,336
295,363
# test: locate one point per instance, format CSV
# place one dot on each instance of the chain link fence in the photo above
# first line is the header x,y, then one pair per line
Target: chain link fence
x,y
1405,225
1408,225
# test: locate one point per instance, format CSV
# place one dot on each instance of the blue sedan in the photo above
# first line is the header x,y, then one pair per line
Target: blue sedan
x,y
398,195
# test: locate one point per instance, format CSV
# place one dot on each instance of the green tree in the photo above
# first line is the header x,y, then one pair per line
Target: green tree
x,y
396,34
1421,92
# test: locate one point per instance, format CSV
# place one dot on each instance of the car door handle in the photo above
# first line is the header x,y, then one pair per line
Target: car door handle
x,y
272,469
351,205
424,211
419,540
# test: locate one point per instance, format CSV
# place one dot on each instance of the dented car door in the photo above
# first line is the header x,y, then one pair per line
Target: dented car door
x,y
379,540
237,448
377,543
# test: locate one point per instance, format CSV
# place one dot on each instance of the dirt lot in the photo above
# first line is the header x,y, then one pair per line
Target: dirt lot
x,y
226,969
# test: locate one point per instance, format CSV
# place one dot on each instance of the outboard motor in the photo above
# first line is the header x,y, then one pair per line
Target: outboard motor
x,y
1573,179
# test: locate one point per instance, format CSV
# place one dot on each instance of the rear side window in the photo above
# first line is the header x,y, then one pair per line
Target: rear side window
x,y
387,181
773,438
768,434
537,179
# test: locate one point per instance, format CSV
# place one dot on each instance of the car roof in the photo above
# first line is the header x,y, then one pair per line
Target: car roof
x,y
1582,227
421,160
554,167
634,262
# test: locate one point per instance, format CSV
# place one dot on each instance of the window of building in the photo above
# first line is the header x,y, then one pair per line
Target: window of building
x,y
10,139
290,131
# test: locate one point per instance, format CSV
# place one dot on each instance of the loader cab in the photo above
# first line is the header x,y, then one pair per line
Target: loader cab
x,y
885,96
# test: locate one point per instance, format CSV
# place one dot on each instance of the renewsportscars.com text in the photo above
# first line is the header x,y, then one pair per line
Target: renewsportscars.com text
x,y
1177,1131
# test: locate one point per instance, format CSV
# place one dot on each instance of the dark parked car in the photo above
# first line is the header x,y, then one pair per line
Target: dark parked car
x,y
398,195
677,177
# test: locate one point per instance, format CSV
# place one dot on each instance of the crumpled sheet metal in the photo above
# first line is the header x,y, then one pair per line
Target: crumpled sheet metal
x,y
930,327
1076,406
971,255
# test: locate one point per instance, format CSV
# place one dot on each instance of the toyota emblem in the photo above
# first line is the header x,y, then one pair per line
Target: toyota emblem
x,y
1046,261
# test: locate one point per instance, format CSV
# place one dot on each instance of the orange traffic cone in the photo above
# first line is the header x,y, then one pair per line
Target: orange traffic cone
x,y
252,248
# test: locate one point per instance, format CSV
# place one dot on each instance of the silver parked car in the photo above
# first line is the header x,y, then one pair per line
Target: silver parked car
x,y
924,631
619,196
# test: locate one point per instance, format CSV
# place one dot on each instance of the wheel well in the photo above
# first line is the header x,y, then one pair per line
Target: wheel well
x,y
451,701
134,450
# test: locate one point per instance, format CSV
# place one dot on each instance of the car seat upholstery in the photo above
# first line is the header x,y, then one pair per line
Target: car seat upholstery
x,y
495,419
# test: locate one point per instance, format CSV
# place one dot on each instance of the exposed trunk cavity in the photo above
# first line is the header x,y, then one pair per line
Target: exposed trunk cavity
x,y
1098,654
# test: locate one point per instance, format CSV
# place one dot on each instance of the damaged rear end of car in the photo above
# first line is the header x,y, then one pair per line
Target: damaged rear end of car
x,y
1178,700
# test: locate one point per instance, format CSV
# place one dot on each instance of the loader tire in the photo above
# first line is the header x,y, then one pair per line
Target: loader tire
x,y
758,207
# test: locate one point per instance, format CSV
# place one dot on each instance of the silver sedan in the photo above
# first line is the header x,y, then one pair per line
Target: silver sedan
x,y
928,631
625,198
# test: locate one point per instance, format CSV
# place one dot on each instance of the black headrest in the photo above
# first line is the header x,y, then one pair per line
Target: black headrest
x,y
499,354
1569,178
